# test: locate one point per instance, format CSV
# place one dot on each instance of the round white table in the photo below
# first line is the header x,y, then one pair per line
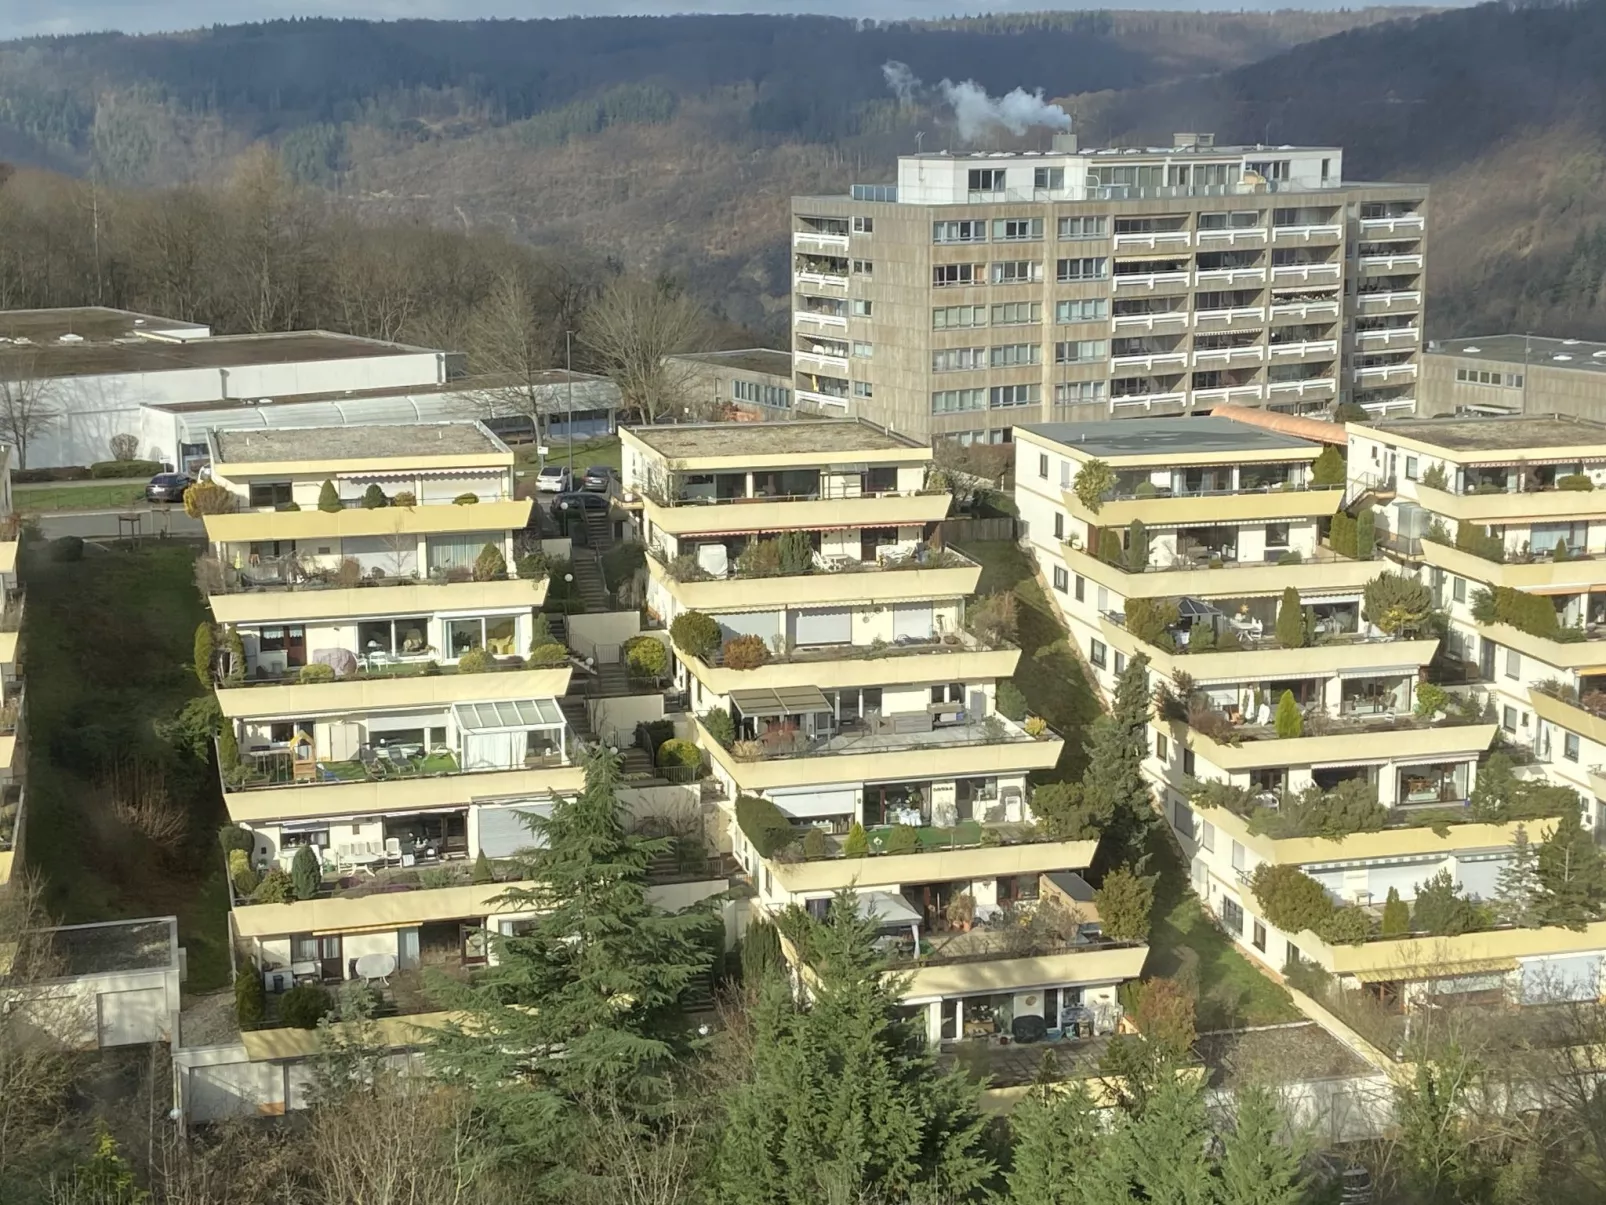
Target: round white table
x,y
376,966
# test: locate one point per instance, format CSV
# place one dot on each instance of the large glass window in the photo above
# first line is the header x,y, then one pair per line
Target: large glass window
x,y
1441,783
496,634
270,493
408,635
447,553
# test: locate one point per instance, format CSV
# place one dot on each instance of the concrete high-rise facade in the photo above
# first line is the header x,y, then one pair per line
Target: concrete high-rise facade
x,y
989,290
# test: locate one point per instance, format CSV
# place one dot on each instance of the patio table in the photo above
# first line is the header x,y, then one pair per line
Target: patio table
x,y
376,966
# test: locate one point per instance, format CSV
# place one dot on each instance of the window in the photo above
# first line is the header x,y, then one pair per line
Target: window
x,y
1238,862
1065,474
1508,718
1083,227
862,389
1081,588
863,225
1089,268
270,493
1017,230
864,267
1411,468
1003,396
1120,662
959,232
1162,749
1259,938
987,179
1458,589
1061,579
1513,663
1276,535
1042,466
863,309
1207,831
1569,746
1187,761
1018,313
864,350
1059,525
495,633
1079,351
1017,272
952,317
945,276
950,401
1088,309
1012,355
1048,177
958,359
1096,653
1078,391
762,395
1232,915
1269,169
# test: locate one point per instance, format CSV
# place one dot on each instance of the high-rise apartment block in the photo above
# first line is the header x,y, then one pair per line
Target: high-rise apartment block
x,y
986,291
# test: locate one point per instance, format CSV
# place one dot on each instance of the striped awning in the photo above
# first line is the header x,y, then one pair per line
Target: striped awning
x,y
1437,970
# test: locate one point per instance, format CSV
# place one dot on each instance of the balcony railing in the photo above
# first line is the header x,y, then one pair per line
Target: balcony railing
x,y
1226,355
385,665
1229,276
1376,299
1308,347
1205,556
288,574
1231,238
1229,393
1253,313
1148,400
272,768
821,318
1301,387
685,568
1149,322
1305,309
1150,360
821,360
804,240
1282,273
655,492
785,742
992,944
1306,234
1391,263
1151,239
1150,280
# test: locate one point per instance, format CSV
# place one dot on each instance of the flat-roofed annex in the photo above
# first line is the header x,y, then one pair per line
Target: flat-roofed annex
x,y
145,351
755,445
1497,437
765,360
1535,351
1169,441
327,445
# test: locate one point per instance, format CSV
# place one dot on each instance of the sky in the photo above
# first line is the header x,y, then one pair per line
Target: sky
x,y
26,18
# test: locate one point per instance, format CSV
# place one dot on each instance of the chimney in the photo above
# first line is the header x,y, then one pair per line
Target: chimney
x,y
1065,144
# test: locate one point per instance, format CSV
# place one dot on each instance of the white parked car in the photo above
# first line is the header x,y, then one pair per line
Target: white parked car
x,y
552,479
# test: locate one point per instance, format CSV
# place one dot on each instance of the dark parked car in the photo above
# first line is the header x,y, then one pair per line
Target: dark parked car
x,y
579,501
601,478
168,487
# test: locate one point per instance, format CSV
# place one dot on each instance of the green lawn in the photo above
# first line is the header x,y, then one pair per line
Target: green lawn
x,y
109,638
1232,991
88,497
593,451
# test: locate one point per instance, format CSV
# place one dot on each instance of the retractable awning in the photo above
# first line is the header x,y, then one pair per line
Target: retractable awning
x,y
1437,970
513,715
790,700
887,907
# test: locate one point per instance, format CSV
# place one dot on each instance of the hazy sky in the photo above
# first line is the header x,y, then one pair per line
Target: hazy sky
x,y
21,18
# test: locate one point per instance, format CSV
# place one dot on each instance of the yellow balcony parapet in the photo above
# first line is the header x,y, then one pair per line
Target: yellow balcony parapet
x,y
288,1044
1569,716
379,692
1515,507
824,514
317,800
1582,655
1546,576
1419,742
1104,965
424,598
382,910
245,526
8,558
927,759
892,870
1229,581
1271,662
1193,509
897,667
865,586
1421,957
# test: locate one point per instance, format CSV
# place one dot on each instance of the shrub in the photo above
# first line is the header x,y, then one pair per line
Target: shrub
x,y
759,558
695,634
540,627
764,825
232,837
316,672
1291,557
1348,924
1435,477
242,874
1291,620
1035,726
761,951
207,498
373,498
1110,550
994,618
228,747
490,565
1396,916
718,724
285,507
814,844
1534,614
679,754
204,650
1151,620
465,500
1137,546
1290,723
797,554
1431,698
903,839
482,872
404,498
349,575
746,652
250,999
1365,534
67,548
1342,534
857,843
1094,482
1575,481
305,873
622,562
1010,702
1144,489
1441,909
1397,603
1125,902
646,657
1289,898
1475,538
125,468
476,661
551,653
1328,467
304,1005
329,498
276,887
533,566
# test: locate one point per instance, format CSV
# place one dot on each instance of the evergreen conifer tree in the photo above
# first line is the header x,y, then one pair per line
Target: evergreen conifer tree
x,y
597,981
1396,915
1517,889
305,873
1061,1154
1165,1144
1290,620
1256,1167
1572,877
846,1103
1113,786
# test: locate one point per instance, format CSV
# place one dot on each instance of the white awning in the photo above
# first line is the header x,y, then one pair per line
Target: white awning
x,y
887,907
513,715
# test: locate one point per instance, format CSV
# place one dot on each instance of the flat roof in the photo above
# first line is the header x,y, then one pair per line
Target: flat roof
x,y
765,360
1157,436
1130,152
823,437
400,440
1535,350
113,946
545,380
1495,432
89,322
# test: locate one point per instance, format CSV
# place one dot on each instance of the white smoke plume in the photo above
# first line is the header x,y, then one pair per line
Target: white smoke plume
x,y
975,113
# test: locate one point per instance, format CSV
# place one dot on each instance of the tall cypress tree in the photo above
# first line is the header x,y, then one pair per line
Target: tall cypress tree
x,y
1517,891
846,1103
1113,785
580,1015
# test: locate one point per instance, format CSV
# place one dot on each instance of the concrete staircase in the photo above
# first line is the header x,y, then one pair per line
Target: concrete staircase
x,y
588,584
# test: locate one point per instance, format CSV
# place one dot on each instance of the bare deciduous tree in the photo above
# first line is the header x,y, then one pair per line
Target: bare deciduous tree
x,y
28,408
631,329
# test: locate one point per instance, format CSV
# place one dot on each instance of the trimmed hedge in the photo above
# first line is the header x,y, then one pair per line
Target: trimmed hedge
x,y
125,468
679,754
60,472
764,824
695,633
304,1005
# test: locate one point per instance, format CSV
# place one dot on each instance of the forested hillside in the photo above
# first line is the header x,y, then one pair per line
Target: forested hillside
x,y
668,144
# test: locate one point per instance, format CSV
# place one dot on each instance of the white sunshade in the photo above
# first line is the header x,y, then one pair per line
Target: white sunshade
x,y
515,715
888,908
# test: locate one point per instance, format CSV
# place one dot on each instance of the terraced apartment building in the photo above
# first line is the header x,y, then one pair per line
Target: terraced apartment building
x,y
847,698
988,291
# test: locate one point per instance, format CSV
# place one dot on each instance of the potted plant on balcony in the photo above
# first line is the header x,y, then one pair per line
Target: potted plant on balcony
x,y
961,912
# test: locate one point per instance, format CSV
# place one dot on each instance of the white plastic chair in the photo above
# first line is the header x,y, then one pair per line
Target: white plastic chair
x,y
393,852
